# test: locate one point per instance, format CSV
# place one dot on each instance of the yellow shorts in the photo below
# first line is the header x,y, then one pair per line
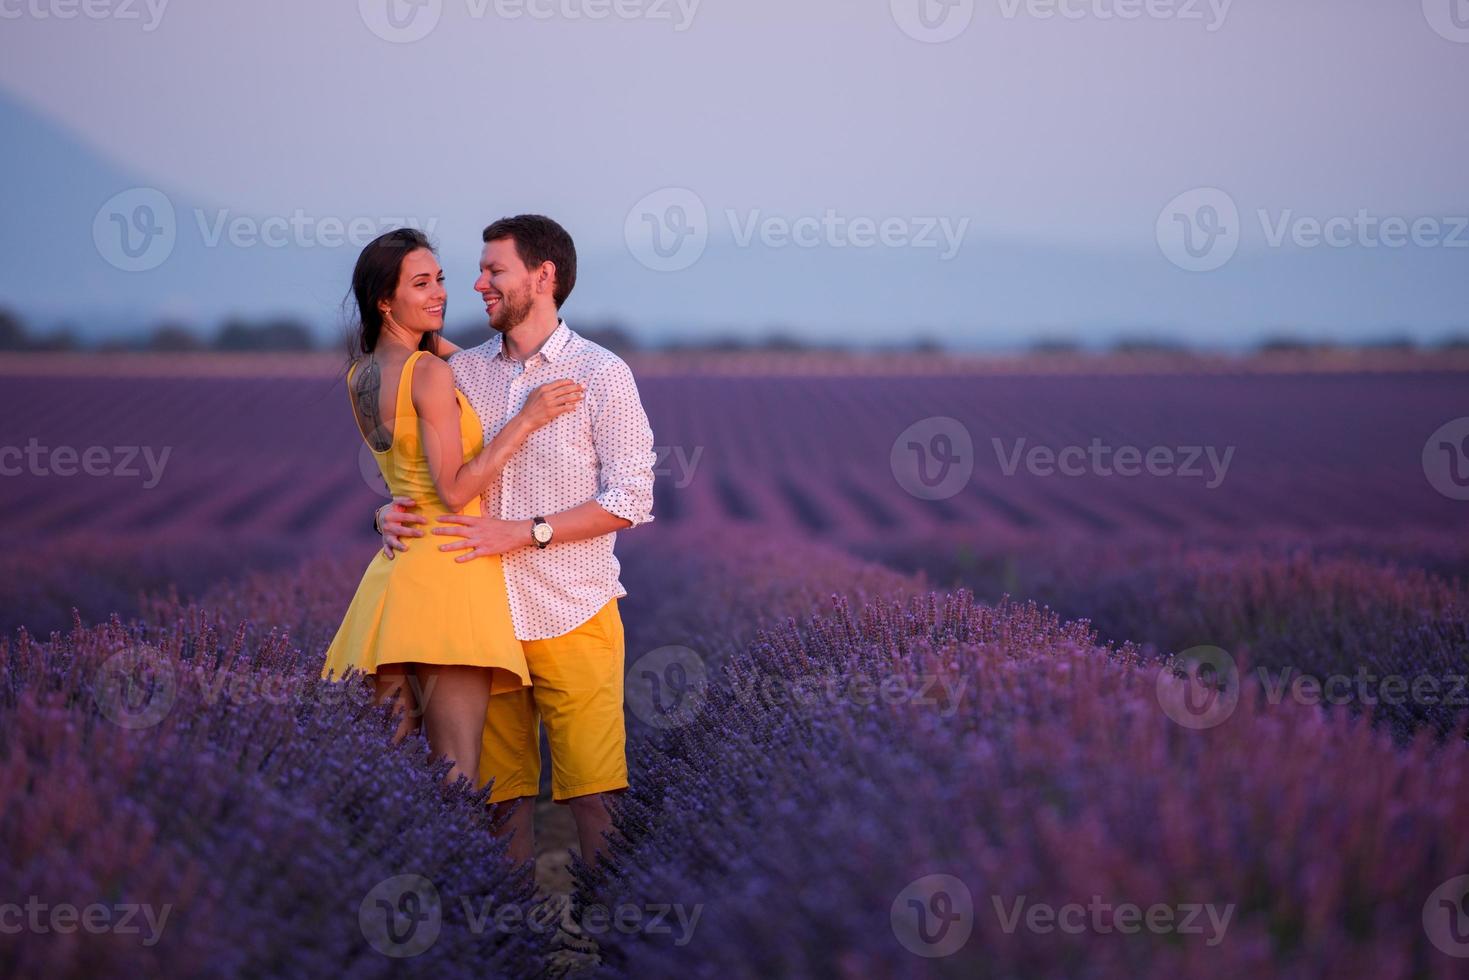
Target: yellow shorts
x,y
576,691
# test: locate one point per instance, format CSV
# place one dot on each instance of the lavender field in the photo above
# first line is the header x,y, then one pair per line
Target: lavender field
x,y
1046,668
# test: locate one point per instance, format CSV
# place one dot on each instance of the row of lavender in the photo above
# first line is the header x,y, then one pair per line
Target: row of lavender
x,y
1374,622
871,788
197,803
842,457
934,787
191,801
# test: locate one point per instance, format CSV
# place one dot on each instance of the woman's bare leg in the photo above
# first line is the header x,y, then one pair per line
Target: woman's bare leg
x,y
396,680
511,819
455,700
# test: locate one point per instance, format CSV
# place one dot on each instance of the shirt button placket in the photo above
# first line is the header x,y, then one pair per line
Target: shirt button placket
x,y
512,397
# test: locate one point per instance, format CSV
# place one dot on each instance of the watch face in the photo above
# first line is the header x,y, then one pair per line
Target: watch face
x,y
542,533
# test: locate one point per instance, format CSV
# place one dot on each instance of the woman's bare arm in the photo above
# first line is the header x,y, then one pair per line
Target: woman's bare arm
x,y
438,420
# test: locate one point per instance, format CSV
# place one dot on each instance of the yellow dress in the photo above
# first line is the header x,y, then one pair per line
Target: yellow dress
x,y
422,606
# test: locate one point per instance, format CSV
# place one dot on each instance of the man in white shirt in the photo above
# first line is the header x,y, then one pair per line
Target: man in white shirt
x,y
553,518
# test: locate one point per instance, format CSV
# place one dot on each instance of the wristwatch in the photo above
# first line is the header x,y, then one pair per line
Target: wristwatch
x,y
376,527
540,531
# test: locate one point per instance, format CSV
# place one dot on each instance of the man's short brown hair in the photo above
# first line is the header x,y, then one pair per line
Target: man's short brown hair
x,y
539,239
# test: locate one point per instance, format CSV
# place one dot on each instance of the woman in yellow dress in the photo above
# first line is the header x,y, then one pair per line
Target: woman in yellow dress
x,y
422,615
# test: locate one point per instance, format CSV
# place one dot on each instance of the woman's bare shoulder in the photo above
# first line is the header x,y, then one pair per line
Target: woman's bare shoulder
x,y
432,378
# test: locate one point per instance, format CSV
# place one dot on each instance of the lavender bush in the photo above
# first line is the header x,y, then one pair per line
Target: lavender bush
x,y
43,582
305,601
798,825
256,811
1339,607
715,588
795,814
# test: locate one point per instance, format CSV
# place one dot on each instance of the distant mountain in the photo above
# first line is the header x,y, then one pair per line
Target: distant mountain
x,y
68,260
69,239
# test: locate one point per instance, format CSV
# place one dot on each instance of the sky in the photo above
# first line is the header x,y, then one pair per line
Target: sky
x,y
983,172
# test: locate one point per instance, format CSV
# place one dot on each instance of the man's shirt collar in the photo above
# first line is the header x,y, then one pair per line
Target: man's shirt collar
x,y
551,349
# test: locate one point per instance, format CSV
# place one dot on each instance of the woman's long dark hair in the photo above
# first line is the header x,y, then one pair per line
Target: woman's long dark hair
x,y
375,279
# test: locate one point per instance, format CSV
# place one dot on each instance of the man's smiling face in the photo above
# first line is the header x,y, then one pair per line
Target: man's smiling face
x,y
505,284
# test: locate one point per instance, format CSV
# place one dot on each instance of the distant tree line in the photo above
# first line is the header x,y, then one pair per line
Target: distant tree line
x,y
286,334
235,334
15,336
1275,343
278,334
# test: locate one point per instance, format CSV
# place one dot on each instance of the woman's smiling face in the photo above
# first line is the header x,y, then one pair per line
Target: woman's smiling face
x,y
418,302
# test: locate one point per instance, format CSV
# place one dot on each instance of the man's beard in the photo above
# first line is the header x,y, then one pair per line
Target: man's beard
x,y
513,311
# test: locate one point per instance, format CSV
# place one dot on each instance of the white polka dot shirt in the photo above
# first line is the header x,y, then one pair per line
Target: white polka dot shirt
x,y
601,450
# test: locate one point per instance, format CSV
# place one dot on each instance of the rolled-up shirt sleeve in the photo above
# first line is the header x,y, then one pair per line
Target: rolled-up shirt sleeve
x,y
624,443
